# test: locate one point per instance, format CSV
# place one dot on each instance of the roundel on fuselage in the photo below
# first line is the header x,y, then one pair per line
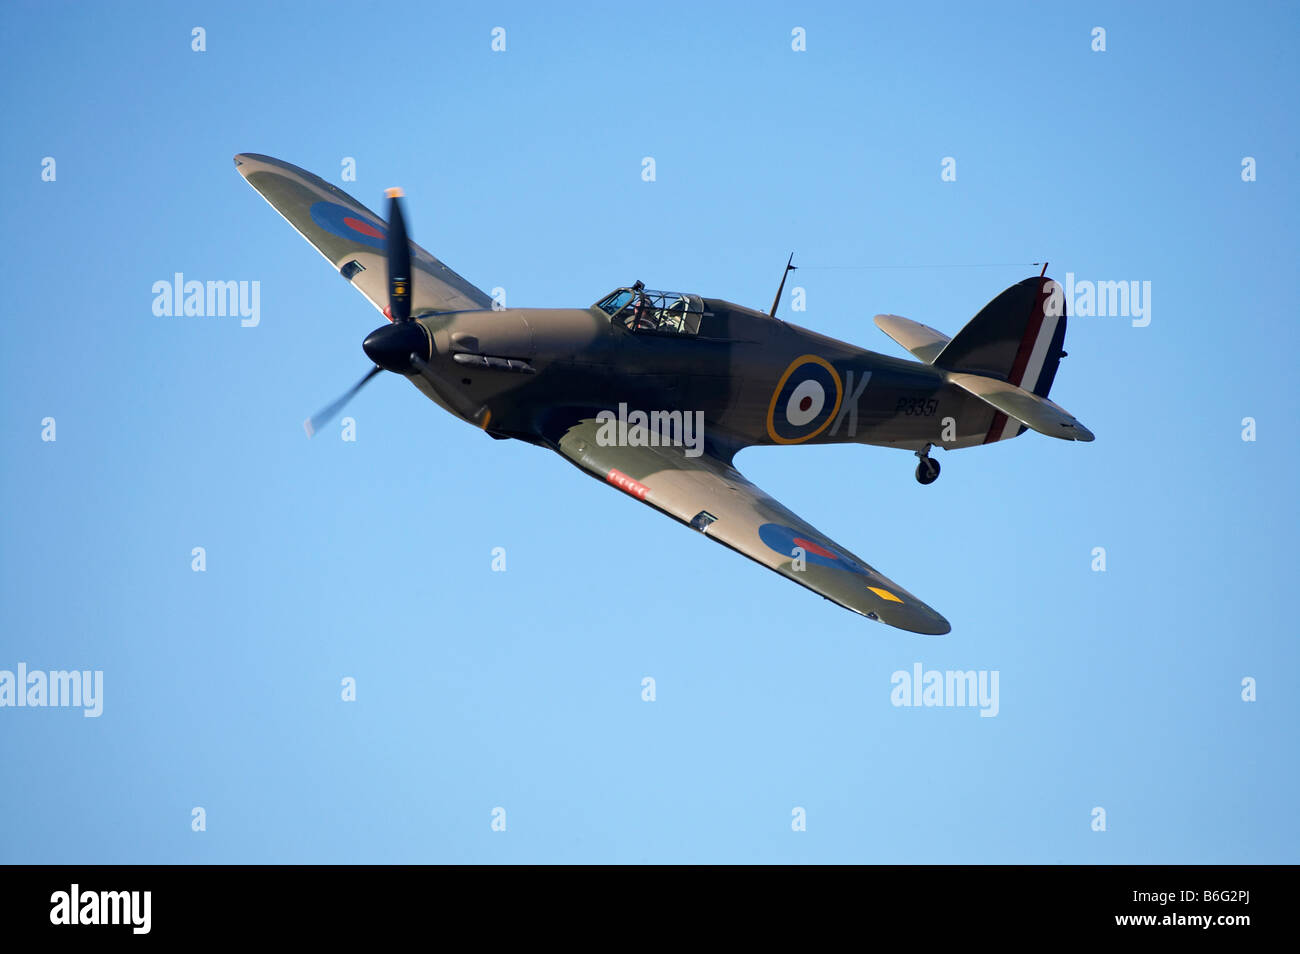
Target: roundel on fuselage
x,y
805,401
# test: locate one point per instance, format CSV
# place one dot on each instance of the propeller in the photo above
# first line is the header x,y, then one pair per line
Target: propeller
x,y
396,346
327,414
399,260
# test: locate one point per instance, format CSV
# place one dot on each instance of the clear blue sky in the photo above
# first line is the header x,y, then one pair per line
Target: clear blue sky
x,y
522,689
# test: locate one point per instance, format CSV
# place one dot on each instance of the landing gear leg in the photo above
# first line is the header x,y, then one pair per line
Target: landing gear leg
x,y
927,471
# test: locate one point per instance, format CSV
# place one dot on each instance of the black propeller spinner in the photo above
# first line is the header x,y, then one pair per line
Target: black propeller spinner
x,y
397,346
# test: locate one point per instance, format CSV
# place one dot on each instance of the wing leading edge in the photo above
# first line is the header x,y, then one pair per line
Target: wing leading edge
x,y
713,497
352,237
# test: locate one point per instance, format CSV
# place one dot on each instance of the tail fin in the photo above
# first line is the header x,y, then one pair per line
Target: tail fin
x,y
1017,337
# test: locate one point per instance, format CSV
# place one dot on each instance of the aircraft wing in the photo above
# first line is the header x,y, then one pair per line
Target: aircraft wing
x,y
713,497
352,237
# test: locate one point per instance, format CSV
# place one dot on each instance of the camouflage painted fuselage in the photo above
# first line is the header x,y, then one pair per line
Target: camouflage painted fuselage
x,y
732,371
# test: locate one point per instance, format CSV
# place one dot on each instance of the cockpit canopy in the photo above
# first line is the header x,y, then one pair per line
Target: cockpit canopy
x,y
656,312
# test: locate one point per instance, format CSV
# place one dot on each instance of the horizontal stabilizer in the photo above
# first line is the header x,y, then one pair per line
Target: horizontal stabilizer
x,y
1033,411
921,340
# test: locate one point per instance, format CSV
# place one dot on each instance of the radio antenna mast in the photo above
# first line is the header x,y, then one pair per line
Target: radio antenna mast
x,y
789,267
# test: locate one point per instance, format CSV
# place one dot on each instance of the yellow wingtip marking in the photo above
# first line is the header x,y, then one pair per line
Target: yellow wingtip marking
x,y
884,594
394,193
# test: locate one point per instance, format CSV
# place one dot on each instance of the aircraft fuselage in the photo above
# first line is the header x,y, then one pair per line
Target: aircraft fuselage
x,y
576,362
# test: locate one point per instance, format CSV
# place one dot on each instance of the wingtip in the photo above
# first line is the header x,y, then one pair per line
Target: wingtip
x,y
937,626
246,163
932,625
911,615
256,161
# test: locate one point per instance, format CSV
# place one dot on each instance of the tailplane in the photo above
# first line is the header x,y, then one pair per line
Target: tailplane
x,y
923,341
1007,356
1016,407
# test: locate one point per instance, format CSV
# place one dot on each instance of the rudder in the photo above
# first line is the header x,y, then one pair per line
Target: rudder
x,y
1017,337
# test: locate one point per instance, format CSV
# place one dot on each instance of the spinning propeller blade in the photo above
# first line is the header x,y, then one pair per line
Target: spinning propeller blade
x,y
399,261
404,346
325,415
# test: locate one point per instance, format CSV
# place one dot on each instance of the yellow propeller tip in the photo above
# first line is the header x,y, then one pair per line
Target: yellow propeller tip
x,y
394,193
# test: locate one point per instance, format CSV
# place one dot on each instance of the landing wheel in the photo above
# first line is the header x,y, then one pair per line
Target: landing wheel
x,y
927,472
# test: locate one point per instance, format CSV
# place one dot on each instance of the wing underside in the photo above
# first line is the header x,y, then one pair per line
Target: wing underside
x,y
713,497
351,237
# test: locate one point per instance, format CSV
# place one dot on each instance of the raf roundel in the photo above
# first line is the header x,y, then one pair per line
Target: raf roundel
x,y
785,540
805,401
345,223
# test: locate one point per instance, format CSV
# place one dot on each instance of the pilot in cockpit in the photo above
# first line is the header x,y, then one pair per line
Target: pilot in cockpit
x,y
643,317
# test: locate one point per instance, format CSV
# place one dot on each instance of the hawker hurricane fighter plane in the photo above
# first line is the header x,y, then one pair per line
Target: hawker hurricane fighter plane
x,y
655,392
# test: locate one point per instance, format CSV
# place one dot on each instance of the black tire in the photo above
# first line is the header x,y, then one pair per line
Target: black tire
x,y
927,472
